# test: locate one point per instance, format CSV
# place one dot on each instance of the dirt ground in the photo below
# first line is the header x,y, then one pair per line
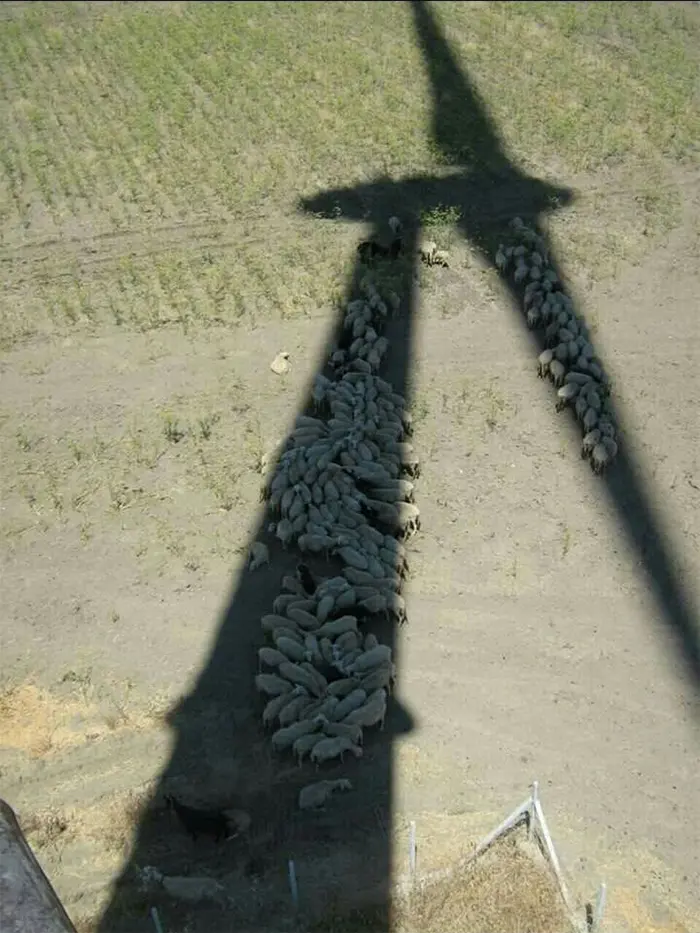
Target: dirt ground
x,y
553,615
535,649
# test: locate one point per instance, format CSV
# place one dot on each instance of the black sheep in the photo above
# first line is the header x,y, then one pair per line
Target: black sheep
x,y
199,822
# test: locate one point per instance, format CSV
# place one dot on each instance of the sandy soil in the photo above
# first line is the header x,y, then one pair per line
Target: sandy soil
x,y
542,642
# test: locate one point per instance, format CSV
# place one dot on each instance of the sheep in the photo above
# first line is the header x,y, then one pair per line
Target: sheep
x,y
292,585
349,703
286,737
590,419
371,713
533,318
579,378
326,649
305,620
345,600
324,608
589,442
337,627
348,641
557,371
375,604
314,543
426,251
281,602
296,602
396,607
326,708
270,657
335,729
603,454
544,361
275,706
370,641
566,394
258,555
581,406
521,271
371,659
289,648
315,796
199,822
399,490
382,676
272,685
295,674
284,531
352,558
295,709
329,748
305,744
341,688
305,580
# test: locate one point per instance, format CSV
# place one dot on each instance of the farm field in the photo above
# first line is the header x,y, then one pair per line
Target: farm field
x,y
173,214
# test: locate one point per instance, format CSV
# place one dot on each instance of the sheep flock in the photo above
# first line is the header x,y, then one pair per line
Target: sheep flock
x,y
569,358
343,488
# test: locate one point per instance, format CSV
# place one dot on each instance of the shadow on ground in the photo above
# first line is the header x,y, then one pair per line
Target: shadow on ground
x,y
220,754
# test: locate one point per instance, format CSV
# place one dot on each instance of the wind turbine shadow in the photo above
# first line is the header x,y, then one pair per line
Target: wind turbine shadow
x,y
220,754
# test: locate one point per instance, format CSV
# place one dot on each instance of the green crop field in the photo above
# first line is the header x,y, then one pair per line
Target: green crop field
x,y
153,154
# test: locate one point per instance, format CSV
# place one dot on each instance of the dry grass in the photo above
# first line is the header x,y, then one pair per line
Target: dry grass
x,y
41,723
508,890
505,891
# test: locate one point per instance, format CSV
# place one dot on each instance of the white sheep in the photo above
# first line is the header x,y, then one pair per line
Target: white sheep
x,y
305,620
329,748
589,442
315,796
275,706
544,361
371,713
270,657
337,627
272,685
341,688
290,648
603,454
557,371
295,709
566,394
381,654
382,676
335,729
348,641
286,737
258,555
590,419
521,272
305,744
296,674
349,703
